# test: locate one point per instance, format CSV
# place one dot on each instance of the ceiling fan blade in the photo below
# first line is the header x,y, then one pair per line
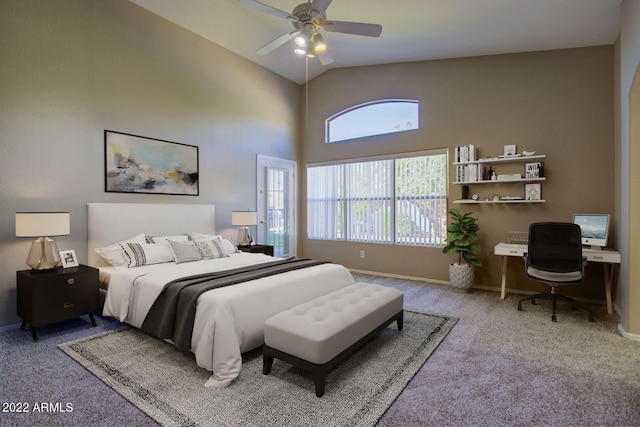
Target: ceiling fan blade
x,y
267,9
277,42
324,57
320,5
357,28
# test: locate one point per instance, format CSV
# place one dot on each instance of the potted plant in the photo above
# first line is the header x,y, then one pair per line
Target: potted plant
x,y
461,240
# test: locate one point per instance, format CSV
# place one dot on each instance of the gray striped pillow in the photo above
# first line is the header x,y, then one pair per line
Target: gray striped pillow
x,y
210,248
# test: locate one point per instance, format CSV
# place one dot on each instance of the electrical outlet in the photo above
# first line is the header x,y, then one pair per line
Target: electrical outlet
x,y
361,254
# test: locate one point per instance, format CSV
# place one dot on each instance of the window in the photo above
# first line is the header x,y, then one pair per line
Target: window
x,y
400,200
373,118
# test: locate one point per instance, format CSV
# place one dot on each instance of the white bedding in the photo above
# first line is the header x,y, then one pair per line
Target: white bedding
x,y
229,320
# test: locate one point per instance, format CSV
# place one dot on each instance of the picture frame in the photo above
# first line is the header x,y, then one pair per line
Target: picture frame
x,y
532,170
69,258
510,150
137,164
532,192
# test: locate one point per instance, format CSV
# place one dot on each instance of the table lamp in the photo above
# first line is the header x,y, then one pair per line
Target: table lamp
x,y
244,219
43,255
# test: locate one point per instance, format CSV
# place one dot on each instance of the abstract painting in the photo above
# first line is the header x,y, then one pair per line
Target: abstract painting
x,y
135,164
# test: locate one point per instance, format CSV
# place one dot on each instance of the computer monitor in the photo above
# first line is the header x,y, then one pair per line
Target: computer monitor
x,y
594,229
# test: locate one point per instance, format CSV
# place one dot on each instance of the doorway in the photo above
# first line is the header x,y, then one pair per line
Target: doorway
x,y
276,204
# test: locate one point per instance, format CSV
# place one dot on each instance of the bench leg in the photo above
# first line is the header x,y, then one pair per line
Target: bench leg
x,y
400,321
267,363
319,380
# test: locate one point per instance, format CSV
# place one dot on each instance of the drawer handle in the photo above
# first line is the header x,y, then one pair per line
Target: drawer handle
x,y
513,252
71,281
598,257
67,305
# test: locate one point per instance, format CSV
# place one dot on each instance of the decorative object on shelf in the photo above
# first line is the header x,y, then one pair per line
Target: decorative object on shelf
x,y
43,255
510,150
135,164
461,240
532,191
244,219
489,174
69,259
534,170
465,191
528,153
509,177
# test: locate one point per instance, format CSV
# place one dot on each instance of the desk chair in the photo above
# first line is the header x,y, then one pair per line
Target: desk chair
x,y
554,256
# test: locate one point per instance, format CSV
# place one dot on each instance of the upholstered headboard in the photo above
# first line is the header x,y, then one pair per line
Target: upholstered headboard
x,y
109,223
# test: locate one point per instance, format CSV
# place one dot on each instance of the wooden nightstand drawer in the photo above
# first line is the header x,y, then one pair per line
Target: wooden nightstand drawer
x,y
59,295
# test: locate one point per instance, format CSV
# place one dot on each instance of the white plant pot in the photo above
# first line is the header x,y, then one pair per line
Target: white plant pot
x,y
461,276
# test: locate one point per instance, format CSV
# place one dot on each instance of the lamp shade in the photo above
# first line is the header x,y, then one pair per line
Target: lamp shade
x,y
39,224
244,218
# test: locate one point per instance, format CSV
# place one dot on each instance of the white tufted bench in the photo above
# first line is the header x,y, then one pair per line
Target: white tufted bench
x,y
316,335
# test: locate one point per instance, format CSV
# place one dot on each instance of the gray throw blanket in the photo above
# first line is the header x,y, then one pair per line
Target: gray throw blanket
x,y
173,313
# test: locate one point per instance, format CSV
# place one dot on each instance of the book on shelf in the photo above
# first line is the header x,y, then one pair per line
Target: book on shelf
x,y
465,153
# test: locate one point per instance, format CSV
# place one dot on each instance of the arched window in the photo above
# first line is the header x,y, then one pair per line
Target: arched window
x,y
373,118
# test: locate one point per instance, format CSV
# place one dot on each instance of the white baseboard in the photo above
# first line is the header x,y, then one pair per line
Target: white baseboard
x,y
628,335
399,276
483,287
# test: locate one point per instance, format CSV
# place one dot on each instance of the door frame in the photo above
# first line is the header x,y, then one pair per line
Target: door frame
x,y
262,163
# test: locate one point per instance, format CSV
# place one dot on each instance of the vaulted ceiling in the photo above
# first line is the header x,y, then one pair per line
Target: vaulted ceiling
x,y
413,30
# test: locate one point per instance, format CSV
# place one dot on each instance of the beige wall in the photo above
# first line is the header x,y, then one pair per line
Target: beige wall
x,y
628,297
558,103
72,68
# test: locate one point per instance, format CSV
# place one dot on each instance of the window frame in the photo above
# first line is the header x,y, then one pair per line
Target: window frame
x,y
328,121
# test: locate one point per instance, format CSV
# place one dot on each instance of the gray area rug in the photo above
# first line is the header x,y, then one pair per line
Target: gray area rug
x,y
166,383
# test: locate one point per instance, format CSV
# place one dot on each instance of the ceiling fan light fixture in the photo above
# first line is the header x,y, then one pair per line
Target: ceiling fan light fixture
x,y
318,43
310,53
300,51
302,39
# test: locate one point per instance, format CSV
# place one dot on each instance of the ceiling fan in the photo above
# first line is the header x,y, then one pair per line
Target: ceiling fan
x,y
308,20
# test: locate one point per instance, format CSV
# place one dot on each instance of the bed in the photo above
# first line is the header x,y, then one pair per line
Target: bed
x,y
228,320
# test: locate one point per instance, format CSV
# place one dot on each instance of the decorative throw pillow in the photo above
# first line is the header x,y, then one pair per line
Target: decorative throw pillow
x,y
184,251
210,248
163,239
145,253
114,254
200,236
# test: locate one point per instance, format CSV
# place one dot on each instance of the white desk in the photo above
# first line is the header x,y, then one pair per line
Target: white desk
x,y
609,258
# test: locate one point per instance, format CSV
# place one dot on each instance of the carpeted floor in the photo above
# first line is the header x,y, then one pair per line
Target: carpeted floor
x,y
497,366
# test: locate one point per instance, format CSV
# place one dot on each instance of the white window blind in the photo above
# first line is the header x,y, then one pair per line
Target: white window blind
x,y
399,200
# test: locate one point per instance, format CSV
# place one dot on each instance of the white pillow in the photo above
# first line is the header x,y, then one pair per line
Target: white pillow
x,y
200,236
210,249
163,239
184,251
146,253
228,247
114,254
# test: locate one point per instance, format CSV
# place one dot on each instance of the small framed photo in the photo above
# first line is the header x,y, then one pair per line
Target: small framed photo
x,y
69,258
532,191
510,150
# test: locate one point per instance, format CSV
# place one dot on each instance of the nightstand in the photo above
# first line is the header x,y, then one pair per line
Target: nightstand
x,y
47,297
262,249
